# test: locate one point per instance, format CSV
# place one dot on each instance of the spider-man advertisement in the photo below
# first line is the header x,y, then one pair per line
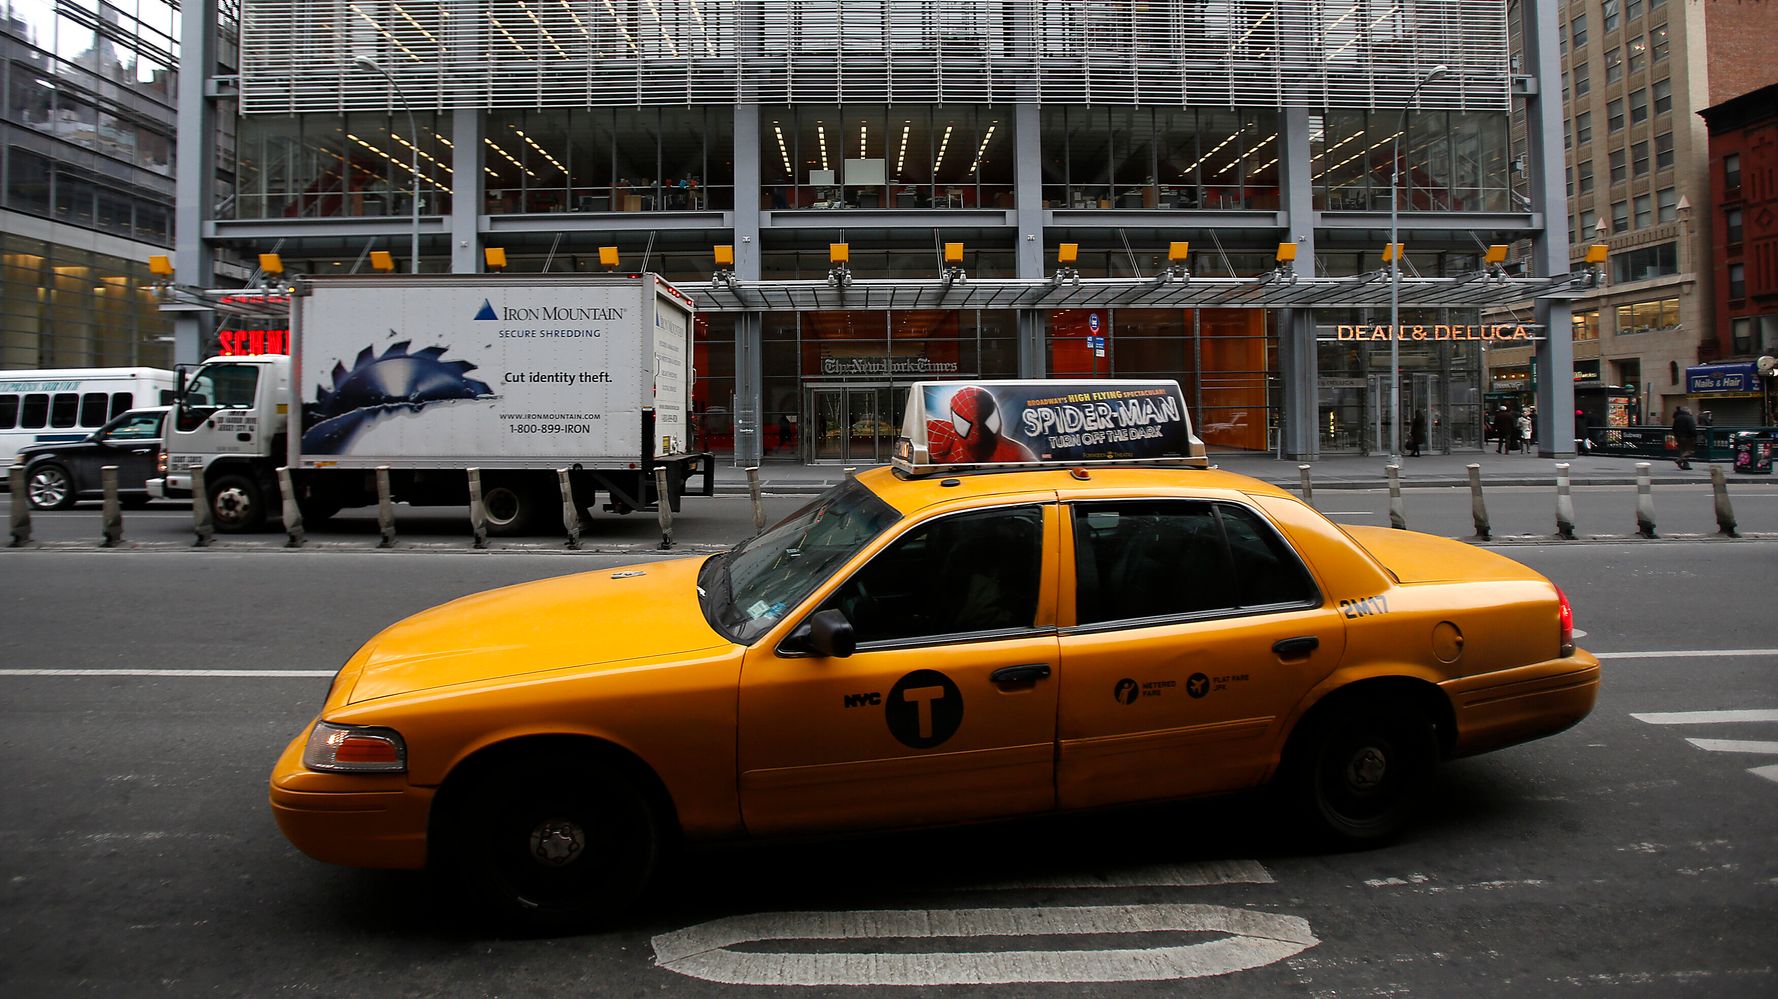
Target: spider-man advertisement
x,y
1002,423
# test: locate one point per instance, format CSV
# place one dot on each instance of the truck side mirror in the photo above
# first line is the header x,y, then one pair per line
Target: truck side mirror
x,y
827,634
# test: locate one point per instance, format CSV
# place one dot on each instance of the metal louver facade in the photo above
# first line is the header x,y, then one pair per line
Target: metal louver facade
x,y
297,55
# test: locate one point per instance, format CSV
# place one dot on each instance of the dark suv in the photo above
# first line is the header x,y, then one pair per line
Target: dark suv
x,y
58,474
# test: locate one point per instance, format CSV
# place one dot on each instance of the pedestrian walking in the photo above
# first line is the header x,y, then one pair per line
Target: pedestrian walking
x,y
1502,427
1685,436
1524,431
1417,433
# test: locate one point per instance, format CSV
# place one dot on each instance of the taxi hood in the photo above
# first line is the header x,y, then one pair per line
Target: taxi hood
x,y
1423,558
592,620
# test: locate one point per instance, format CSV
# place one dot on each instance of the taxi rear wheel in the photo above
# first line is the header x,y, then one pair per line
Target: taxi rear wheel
x,y
558,846
1361,771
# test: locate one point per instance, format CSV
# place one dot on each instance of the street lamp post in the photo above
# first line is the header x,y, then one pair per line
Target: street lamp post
x,y
366,62
1395,268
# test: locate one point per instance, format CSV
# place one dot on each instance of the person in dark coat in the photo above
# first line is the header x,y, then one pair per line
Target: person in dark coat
x,y
1685,436
1417,433
1503,430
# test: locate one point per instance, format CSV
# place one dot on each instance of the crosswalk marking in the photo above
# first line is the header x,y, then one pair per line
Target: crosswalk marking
x,y
1706,717
1735,745
1685,653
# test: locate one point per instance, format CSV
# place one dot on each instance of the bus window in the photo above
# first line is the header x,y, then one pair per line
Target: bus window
x,y
36,411
64,410
9,411
92,409
121,402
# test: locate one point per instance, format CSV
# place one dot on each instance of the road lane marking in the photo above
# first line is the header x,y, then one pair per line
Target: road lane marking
x,y
1250,940
1735,745
1706,717
1770,773
1192,875
1684,653
268,674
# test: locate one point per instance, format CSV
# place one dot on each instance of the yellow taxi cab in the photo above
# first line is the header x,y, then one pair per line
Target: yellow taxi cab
x,y
1048,602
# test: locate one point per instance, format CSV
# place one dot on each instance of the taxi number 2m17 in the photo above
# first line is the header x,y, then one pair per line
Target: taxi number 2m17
x,y
1364,607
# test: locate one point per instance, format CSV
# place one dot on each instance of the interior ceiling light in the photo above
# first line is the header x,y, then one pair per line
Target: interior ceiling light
x,y
509,157
672,47
540,150
821,133
399,9
540,28
514,42
373,22
973,167
1261,144
943,144
578,23
422,152
1362,152
703,29
1216,150
621,27
783,151
396,162
902,155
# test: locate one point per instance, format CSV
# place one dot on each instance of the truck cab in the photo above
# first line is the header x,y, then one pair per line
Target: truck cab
x,y
228,419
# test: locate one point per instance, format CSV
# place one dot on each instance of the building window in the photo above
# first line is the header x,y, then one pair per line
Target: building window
x,y
1663,96
1632,9
1568,175
1664,151
1586,177
1589,221
1737,281
1639,107
1619,169
1731,174
1582,84
1741,335
1732,226
1645,211
1654,5
1614,65
1648,317
1620,216
1645,262
1583,128
1658,42
1667,204
1586,325
1610,12
1614,115
1639,158
1579,29
1638,47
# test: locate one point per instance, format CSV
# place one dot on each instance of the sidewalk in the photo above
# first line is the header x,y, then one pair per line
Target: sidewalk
x,y
1333,472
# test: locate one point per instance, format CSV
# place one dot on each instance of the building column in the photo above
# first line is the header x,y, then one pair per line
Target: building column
x,y
468,191
1028,215
194,264
749,362
1298,361
1540,30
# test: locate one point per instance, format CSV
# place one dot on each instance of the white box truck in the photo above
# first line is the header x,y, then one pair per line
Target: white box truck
x,y
432,375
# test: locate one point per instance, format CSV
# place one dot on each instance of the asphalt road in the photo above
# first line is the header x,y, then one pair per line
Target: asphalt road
x,y
1636,854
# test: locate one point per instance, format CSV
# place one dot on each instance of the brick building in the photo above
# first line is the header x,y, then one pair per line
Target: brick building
x,y
1744,213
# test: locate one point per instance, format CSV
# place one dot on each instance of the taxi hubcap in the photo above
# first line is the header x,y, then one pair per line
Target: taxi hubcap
x,y
557,842
1366,769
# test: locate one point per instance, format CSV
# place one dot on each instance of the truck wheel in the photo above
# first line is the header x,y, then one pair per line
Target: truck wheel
x,y
554,845
509,509
1358,773
236,504
50,487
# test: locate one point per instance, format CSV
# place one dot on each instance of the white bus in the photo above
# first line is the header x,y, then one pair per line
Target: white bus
x,y
67,404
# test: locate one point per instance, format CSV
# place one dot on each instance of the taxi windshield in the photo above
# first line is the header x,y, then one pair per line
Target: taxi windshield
x,y
749,589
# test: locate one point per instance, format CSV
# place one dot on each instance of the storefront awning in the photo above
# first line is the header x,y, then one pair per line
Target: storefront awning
x,y
1266,292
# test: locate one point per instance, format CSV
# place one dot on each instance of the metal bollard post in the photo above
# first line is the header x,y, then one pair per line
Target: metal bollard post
x,y
1725,514
1478,508
664,507
1645,502
21,507
1564,503
759,510
385,509
293,514
478,512
201,523
570,513
112,517
1302,472
1398,514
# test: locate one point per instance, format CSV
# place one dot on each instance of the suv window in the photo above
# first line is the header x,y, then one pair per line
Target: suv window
x,y
136,427
972,572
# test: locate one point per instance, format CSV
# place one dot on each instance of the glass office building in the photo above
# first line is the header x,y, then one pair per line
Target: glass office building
x,y
1178,145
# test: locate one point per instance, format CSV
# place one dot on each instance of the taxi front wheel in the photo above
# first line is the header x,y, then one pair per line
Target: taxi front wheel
x,y
1361,771
559,846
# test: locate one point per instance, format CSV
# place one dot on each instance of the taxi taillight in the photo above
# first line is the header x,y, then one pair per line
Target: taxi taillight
x,y
1565,622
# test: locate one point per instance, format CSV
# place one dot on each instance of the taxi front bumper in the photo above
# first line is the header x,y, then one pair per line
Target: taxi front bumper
x,y
355,820
1504,708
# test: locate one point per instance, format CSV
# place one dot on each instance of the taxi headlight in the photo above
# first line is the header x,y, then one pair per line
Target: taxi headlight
x,y
354,749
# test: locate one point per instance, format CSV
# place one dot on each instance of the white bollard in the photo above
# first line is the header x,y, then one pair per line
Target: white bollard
x,y
201,524
1564,503
478,511
293,513
1398,514
112,517
759,510
21,507
1478,508
1645,502
385,509
570,512
664,506
1725,514
1302,472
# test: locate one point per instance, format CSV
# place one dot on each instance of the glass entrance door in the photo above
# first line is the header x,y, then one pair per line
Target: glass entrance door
x,y
1423,405
848,425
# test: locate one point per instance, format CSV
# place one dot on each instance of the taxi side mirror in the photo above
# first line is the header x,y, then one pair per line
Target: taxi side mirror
x,y
827,634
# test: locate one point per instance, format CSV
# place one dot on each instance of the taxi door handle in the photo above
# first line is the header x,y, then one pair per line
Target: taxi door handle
x,y
1028,673
1301,646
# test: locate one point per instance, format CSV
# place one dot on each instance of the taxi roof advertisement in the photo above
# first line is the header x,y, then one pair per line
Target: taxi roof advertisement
x,y
1021,422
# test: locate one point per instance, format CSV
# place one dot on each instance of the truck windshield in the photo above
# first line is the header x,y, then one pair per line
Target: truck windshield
x,y
217,386
747,590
